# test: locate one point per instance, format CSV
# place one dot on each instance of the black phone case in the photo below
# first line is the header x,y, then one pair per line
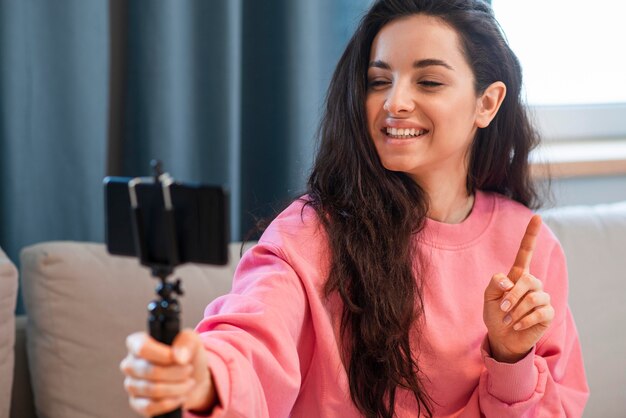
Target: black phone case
x,y
200,217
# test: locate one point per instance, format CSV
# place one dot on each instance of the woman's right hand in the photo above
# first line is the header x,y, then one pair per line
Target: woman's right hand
x,y
160,378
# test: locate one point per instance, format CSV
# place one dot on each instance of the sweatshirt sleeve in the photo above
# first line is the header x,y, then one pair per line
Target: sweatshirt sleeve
x,y
550,381
257,337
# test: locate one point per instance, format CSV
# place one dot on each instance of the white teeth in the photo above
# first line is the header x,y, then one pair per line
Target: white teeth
x,y
405,132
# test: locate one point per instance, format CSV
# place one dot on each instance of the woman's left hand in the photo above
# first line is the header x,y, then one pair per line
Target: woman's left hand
x,y
517,311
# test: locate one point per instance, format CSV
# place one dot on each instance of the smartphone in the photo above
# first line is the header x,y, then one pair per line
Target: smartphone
x,y
200,218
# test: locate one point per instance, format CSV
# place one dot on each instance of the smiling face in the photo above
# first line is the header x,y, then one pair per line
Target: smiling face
x,y
422,108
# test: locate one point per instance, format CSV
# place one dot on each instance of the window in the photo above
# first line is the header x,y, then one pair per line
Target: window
x,y
574,66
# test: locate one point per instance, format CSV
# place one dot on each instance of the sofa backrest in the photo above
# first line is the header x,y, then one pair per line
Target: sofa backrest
x,y
594,241
8,298
81,304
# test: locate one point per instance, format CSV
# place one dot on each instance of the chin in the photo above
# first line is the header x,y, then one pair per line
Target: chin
x,y
398,165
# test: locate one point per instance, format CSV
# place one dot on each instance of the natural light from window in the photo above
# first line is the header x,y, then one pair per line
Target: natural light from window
x,y
572,51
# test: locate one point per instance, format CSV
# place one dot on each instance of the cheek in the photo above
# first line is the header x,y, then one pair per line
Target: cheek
x,y
457,115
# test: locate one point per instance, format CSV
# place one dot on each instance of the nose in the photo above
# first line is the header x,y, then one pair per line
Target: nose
x,y
399,100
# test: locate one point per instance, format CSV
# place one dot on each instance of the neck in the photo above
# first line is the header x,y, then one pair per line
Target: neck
x,y
446,187
449,201
451,209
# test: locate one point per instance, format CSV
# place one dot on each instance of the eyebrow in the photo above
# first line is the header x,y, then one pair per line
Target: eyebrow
x,y
416,64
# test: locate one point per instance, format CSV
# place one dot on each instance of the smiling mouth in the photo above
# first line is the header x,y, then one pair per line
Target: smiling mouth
x,y
404,133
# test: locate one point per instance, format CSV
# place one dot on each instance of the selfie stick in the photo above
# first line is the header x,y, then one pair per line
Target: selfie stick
x,y
163,313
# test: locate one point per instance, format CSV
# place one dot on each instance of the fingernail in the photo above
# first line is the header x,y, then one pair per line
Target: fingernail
x,y
505,305
182,354
507,320
517,326
506,284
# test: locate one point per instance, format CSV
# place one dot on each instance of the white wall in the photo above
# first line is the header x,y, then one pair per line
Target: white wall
x,y
588,190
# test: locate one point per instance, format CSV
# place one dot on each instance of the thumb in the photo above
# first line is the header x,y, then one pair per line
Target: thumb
x,y
185,346
188,348
498,285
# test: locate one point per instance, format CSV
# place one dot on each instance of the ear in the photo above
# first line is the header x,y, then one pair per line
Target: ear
x,y
489,103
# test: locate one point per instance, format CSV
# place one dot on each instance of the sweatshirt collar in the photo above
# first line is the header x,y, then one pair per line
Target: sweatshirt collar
x,y
452,236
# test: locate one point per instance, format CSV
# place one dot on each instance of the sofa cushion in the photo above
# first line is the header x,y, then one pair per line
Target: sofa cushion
x,y
8,298
594,241
82,303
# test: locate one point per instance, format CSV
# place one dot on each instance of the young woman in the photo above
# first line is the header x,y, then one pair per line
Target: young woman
x,y
412,279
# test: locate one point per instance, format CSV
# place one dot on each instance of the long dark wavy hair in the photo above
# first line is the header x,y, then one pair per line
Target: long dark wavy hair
x,y
371,214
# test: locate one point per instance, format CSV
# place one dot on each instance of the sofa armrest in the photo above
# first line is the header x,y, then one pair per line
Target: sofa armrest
x,y
8,298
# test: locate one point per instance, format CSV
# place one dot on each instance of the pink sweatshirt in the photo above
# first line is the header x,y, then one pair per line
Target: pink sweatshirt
x,y
273,341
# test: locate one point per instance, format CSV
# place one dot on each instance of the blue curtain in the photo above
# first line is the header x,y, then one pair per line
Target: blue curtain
x,y
223,91
228,92
53,120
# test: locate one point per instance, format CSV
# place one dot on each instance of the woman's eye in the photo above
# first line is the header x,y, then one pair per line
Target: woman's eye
x,y
377,83
429,83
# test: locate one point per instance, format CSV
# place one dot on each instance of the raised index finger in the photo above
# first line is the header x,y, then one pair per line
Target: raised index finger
x,y
526,248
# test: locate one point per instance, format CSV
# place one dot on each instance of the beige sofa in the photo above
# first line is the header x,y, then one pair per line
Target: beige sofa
x,y
82,303
8,293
